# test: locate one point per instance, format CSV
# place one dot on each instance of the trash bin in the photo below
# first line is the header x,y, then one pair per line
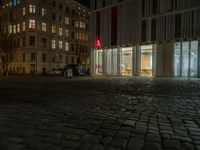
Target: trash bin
x,y
69,73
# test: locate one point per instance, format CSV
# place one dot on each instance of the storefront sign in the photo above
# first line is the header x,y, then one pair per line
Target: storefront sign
x,y
97,43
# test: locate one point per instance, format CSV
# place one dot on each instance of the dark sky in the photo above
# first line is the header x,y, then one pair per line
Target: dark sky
x,y
85,2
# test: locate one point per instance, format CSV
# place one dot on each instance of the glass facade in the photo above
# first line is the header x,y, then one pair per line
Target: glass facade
x,y
146,60
126,61
115,62
108,61
193,58
98,62
177,59
186,59
142,61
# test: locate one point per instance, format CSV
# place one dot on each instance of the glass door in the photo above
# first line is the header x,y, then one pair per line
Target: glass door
x,y
99,62
126,63
185,59
177,59
193,58
115,62
108,61
146,60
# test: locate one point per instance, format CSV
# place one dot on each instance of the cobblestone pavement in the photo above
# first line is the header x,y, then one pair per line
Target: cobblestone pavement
x,y
52,113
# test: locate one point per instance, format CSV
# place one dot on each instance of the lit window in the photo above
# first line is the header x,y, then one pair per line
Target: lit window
x,y
53,29
82,25
24,11
44,26
14,29
43,12
18,28
32,24
67,20
10,29
23,26
53,44
60,44
32,8
66,46
67,33
60,31
76,24
14,2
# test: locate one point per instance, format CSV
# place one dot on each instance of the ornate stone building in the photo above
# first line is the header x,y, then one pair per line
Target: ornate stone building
x,y
39,36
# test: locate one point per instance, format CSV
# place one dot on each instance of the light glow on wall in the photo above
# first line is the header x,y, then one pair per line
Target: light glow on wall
x,y
97,43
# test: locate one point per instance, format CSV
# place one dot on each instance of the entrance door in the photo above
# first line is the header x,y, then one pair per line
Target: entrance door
x,y
147,60
186,59
126,63
194,58
108,61
177,59
115,62
99,62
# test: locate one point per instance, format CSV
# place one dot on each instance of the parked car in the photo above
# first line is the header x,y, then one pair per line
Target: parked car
x,y
56,72
77,69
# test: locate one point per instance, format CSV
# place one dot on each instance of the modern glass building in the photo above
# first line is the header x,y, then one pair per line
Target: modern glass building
x,y
145,38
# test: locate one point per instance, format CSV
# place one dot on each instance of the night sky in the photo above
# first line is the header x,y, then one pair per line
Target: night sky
x,y
85,2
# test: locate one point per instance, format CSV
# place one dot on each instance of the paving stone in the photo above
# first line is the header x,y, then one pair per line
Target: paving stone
x,y
153,138
96,139
135,144
152,146
130,123
188,146
194,133
106,140
72,137
119,142
165,136
181,138
55,148
113,148
15,140
85,146
16,147
71,144
108,132
172,144
123,134
40,145
167,132
87,138
97,147
197,147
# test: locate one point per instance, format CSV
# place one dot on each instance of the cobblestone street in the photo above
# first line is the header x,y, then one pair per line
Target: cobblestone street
x,y
53,113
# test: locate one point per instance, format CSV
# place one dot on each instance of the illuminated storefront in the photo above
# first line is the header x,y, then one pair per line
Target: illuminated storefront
x,y
186,59
148,63
126,61
142,60
123,61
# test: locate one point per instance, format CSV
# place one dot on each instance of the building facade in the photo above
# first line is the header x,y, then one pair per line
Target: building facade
x,y
39,36
145,38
